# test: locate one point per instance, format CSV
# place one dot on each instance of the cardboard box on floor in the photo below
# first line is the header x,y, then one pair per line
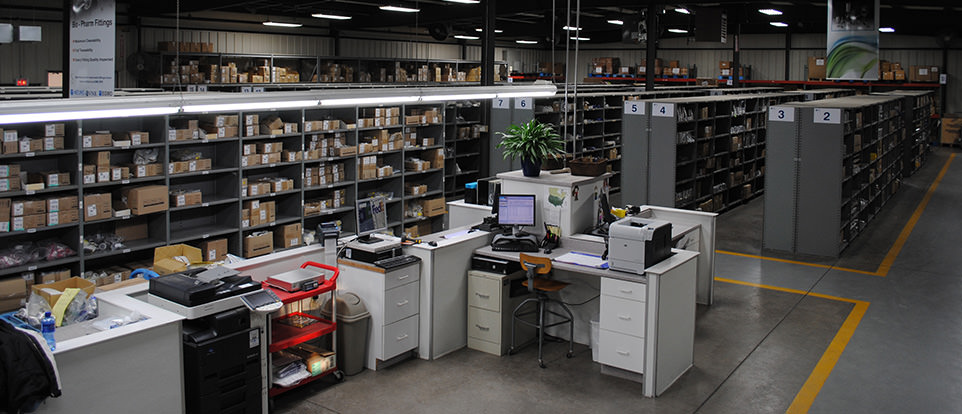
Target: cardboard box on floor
x,y
165,261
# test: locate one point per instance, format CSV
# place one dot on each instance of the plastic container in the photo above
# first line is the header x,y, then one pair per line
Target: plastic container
x,y
47,326
595,349
353,322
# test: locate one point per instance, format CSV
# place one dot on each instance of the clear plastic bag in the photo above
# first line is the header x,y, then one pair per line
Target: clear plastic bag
x,y
185,155
19,255
146,156
54,250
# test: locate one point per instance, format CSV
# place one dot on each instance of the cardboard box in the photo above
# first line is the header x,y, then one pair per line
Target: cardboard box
x,y
214,250
27,207
250,160
51,292
31,145
951,129
175,258
271,158
258,245
97,207
185,198
62,203
137,137
816,67
53,130
10,184
13,293
28,222
433,207
411,189
345,151
12,170
132,229
900,75
98,140
146,199
147,170
52,143
288,236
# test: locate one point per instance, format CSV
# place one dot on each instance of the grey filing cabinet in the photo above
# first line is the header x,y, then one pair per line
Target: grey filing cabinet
x,y
622,324
492,298
392,298
504,113
634,145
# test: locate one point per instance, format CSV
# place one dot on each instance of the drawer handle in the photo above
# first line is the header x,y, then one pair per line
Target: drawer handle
x,y
402,337
399,304
625,353
482,296
624,317
403,277
483,328
626,290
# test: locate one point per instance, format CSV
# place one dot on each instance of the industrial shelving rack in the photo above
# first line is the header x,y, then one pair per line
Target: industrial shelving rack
x,y
832,165
918,108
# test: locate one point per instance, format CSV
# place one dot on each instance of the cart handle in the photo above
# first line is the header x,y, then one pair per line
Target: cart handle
x,y
325,267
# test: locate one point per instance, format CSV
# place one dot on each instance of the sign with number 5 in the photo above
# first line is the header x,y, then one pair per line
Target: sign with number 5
x,y
634,108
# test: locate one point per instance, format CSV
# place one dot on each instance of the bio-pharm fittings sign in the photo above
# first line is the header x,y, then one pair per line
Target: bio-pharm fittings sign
x,y
92,48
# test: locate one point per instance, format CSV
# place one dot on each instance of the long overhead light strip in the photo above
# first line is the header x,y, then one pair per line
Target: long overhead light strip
x,y
249,106
330,16
464,1
281,24
400,9
92,114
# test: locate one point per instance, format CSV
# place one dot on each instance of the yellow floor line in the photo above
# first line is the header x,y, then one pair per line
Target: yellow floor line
x,y
816,379
893,253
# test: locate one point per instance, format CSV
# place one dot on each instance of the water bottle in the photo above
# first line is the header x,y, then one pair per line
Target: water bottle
x,y
47,326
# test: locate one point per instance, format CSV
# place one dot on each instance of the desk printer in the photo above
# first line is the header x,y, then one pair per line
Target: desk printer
x,y
636,243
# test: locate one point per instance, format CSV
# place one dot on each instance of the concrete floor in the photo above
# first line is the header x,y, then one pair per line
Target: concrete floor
x,y
755,348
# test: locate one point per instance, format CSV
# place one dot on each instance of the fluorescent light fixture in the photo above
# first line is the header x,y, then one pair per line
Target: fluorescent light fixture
x,y
281,24
526,42
525,94
482,30
399,9
770,12
778,24
466,37
249,106
369,101
31,33
677,30
330,16
580,39
92,114
571,28
463,97
618,22
682,10
886,29
464,1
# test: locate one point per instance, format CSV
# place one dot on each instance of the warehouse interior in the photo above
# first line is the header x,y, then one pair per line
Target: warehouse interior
x,y
809,265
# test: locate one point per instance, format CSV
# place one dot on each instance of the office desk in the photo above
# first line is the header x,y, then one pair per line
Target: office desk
x,y
647,321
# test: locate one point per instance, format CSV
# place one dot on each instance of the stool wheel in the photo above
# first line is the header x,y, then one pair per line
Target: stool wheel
x,y
541,364
570,354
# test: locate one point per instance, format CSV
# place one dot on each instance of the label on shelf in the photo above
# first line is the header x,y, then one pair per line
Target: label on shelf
x,y
254,339
634,108
781,114
663,110
500,103
828,116
523,103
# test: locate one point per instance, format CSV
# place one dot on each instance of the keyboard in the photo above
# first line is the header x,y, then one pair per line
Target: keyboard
x,y
515,247
397,261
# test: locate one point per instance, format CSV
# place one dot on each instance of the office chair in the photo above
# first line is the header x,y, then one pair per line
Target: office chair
x,y
540,286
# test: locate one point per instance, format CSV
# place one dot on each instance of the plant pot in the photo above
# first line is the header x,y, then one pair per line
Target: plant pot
x,y
530,168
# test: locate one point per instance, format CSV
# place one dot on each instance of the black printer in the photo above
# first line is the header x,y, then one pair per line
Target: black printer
x,y
187,289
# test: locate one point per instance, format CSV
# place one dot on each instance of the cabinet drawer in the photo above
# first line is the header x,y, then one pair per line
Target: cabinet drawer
x,y
399,337
484,324
622,289
484,293
398,277
401,302
622,315
621,351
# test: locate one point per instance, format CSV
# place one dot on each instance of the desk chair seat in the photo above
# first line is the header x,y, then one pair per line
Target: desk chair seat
x,y
541,286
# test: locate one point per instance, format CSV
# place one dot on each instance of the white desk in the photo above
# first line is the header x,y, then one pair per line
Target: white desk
x,y
444,289
465,214
664,300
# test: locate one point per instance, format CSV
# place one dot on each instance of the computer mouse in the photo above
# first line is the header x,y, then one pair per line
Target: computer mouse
x,y
547,250
433,243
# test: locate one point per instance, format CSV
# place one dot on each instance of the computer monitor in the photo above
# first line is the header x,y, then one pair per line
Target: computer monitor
x,y
371,218
516,210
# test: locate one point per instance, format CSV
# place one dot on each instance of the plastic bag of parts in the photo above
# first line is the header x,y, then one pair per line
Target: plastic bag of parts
x,y
80,309
116,321
185,155
103,242
18,255
36,307
53,250
146,156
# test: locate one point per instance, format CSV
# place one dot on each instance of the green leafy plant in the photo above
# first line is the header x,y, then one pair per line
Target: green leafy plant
x,y
533,141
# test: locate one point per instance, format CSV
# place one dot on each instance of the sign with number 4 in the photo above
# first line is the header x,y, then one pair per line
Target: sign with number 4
x,y
663,110
634,108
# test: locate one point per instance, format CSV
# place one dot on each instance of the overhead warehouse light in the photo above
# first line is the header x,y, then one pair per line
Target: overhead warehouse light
x,y
401,9
526,42
770,12
281,24
682,10
330,16
778,24
580,39
618,22
677,30
571,28
886,29
249,106
482,30
466,37
464,1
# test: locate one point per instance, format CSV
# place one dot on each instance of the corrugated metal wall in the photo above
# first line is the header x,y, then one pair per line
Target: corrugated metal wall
x,y
32,60
236,42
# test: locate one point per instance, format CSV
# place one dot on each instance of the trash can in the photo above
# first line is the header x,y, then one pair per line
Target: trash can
x,y
353,324
595,348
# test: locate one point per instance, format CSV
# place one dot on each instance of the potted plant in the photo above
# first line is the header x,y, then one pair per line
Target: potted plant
x,y
532,142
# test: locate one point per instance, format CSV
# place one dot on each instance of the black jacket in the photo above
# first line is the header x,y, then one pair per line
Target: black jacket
x,y
26,375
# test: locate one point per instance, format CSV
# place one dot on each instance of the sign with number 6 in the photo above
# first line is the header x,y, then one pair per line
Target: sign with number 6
x,y
523,103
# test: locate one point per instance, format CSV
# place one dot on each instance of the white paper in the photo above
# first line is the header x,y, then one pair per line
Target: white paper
x,y
582,259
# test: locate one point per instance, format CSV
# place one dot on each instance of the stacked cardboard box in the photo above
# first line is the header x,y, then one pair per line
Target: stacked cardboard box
x,y
220,126
256,213
605,65
183,130
368,167
336,199
183,198
288,236
328,145
816,68
324,174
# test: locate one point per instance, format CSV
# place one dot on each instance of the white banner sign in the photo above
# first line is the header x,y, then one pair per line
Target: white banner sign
x,y
92,48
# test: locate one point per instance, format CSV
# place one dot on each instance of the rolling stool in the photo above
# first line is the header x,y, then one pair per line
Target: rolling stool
x,y
540,286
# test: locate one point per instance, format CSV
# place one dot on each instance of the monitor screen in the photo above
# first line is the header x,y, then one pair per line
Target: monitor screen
x,y
516,210
371,215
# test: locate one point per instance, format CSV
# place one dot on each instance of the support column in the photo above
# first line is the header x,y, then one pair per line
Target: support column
x,y
651,46
65,58
487,43
788,54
